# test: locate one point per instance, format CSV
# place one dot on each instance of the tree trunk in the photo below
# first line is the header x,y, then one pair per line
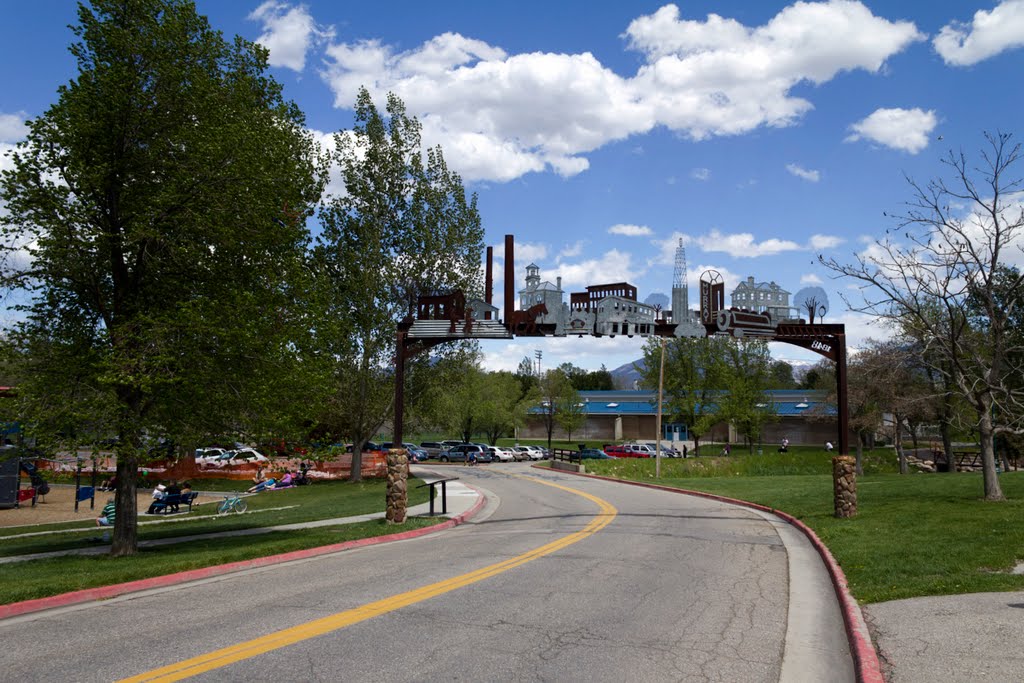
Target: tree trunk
x,y
993,491
355,473
898,441
126,530
945,430
859,461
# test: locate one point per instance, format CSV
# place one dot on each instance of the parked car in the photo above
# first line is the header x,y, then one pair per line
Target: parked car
x,y
239,456
666,450
626,451
206,456
535,452
593,454
460,453
432,448
367,446
500,454
246,455
416,454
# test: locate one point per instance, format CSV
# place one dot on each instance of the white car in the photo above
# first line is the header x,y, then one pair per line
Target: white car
x,y
500,454
207,456
535,452
240,456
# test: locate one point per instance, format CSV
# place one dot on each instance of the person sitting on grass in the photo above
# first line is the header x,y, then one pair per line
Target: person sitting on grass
x,y
286,481
106,518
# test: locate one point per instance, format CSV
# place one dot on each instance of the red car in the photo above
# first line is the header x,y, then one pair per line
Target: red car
x,y
624,452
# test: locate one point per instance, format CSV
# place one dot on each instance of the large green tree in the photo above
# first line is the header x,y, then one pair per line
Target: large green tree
x,y
746,375
569,410
155,212
403,227
693,380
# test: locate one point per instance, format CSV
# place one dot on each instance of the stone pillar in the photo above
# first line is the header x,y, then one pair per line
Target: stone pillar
x,y
844,485
397,498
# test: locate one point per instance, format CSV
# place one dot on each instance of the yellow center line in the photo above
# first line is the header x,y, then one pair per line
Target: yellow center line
x,y
252,648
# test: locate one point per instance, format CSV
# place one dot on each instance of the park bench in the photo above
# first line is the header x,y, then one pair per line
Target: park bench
x,y
174,502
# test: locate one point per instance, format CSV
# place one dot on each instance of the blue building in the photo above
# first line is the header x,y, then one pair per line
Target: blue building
x,y
803,417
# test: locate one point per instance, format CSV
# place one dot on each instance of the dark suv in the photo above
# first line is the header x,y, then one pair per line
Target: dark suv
x,y
460,453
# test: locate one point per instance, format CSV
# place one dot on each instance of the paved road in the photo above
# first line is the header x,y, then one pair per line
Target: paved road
x,y
584,581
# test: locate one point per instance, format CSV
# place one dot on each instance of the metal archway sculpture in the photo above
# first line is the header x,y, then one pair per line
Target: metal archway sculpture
x,y
443,317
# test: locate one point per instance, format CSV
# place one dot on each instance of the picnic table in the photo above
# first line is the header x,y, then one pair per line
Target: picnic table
x,y
967,458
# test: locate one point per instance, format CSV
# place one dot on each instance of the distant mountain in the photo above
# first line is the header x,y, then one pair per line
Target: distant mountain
x,y
626,376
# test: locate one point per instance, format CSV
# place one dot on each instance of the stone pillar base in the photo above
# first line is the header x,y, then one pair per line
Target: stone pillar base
x,y
844,485
397,498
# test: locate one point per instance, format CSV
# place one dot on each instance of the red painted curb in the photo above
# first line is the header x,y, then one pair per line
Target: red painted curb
x,y
106,592
865,659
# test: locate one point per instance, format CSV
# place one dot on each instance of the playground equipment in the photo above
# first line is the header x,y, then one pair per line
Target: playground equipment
x,y
85,492
11,493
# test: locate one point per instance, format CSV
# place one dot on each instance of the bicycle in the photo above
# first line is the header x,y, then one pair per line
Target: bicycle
x,y
232,503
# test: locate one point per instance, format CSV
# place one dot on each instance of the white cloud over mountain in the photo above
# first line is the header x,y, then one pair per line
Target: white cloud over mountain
x,y
987,34
500,116
903,129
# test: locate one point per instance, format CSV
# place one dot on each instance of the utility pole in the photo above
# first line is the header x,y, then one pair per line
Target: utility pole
x,y
538,354
661,383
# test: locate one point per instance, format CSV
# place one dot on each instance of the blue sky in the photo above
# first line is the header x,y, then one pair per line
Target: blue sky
x,y
600,133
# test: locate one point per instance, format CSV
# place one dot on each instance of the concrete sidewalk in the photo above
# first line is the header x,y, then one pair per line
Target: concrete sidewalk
x,y
950,638
460,499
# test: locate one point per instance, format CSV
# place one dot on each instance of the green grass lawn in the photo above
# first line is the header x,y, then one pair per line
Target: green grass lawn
x,y
323,500
916,534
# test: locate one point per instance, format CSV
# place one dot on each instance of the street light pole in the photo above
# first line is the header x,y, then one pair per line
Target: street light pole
x,y
661,383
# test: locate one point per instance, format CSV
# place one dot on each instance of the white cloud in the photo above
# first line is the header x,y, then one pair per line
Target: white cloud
x,y
810,279
630,230
589,353
903,129
6,159
988,34
500,116
719,77
700,173
525,252
806,174
666,249
289,32
819,242
613,266
12,127
743,245
571,250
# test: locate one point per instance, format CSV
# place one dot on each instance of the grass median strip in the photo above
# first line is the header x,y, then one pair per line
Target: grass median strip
x,y
43,578
324,500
